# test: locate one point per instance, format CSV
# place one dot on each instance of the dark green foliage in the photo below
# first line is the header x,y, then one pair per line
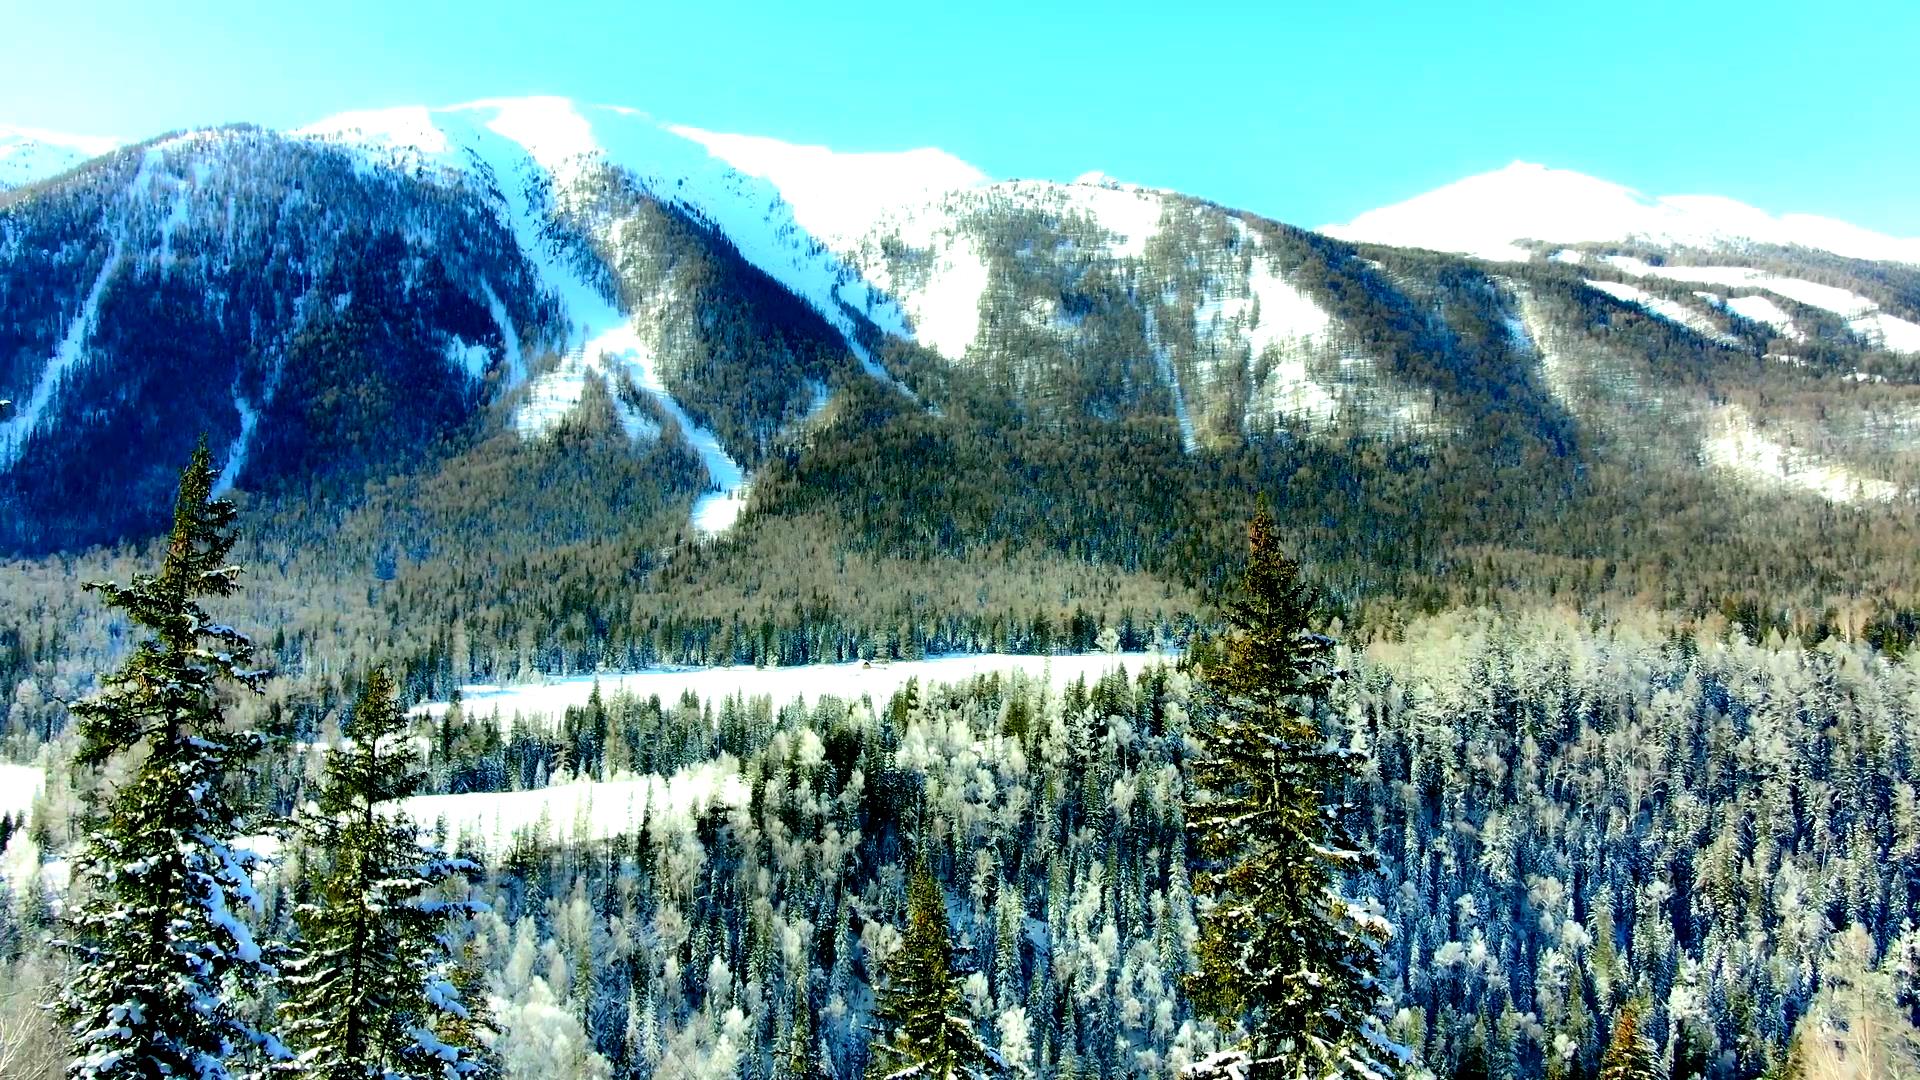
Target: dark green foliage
x,y
1281,947
369,979
925,1028
161,956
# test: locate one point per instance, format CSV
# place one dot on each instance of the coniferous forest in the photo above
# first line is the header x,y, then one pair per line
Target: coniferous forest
x,y
618,619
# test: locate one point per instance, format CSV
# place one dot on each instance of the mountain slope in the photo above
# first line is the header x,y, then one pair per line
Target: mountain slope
x,y
1492,214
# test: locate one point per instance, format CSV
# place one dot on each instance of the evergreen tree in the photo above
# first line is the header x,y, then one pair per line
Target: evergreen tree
x,y
929,1032
1629,1055
1280,948
368,989
161,951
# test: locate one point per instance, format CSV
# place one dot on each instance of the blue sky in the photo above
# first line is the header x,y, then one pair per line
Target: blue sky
x,y
1309,116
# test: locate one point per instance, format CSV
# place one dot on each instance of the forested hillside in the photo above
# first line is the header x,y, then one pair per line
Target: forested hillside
x,y
1560,718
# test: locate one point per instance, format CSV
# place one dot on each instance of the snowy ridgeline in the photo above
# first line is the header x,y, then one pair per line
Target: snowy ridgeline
x,y
851,682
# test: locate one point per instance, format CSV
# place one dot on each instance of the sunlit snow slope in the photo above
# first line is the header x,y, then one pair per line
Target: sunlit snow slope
x,y
1488,215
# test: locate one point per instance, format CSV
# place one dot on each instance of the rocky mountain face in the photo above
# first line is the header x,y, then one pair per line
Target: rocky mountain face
x,y
380,291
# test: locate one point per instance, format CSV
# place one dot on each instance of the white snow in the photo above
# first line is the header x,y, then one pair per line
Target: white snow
x,y
808,683
838,197
15,432
510,338
1671,310
1862,314
583,811
1163,363
515,142
470,357
1287,321
19,786
1132,215
945,314
1761,309
551,139
1485,215
237,453
1733,442
30,154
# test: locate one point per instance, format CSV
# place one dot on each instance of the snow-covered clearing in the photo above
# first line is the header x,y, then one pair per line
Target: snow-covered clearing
x,y
1735,443
1862,314
808,683
1762,309
19,786
1670,310
582,811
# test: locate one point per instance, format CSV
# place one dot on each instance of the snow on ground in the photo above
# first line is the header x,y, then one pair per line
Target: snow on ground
x,y
1132,215
582,811
808,683
1163,363
1289,322
30,154
15,432
237,453
19,786
1670,310
516,145
1862,314
1733,442
944,314
1485,215
840,197
1762,309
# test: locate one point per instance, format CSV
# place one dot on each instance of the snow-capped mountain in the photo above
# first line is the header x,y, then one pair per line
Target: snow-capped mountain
x,y
30,154
1494,215
499,264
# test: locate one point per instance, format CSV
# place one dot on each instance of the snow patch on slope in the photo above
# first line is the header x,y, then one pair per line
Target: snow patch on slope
x,y
839,197
1488,214
526,150
19,786
1670,310
14,433
1762,309
30,154
1734,443
1863,316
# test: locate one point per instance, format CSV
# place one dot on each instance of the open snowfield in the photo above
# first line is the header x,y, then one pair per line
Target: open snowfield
x,y
19,786
784,684
584,811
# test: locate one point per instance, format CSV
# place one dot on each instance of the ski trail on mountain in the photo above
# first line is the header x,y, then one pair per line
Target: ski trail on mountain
x,y
14,433
510,152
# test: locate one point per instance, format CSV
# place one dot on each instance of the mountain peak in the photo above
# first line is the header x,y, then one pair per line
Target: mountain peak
x,y
1490,214
28,154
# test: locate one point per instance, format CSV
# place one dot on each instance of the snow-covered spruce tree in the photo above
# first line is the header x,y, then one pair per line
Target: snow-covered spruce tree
x,y
1281,949
161,953
928,1033
370,987
1629,1055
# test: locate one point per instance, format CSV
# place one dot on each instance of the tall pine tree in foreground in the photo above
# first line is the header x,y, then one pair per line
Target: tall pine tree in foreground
x,y
160,948
371,990
928,1031
1281,949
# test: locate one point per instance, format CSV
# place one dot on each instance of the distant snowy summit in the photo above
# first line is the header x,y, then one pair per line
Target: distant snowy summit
x,y
30,154
1493,214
